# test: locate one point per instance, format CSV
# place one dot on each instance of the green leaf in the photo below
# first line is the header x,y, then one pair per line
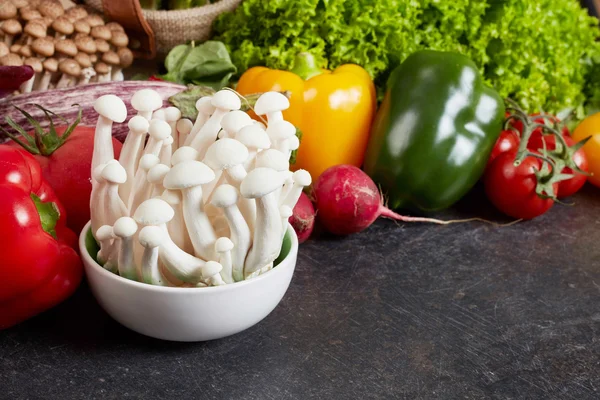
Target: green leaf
x,y
186,100
48,213
295,152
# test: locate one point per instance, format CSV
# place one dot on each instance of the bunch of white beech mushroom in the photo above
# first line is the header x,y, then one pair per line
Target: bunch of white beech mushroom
x,y
202,203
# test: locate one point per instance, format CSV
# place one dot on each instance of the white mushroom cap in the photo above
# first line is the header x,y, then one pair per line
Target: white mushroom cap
x,y
271,102
125,227
148,161
254,136
261,181
105,232
211,268
151,236
225,153
204,105
146,100
97,173
184,153
172,113
286,211
227,100
223,244
157,174
173,197
154,212
159,129
159,114
294,142
302,177
138,125
111,107
188,174
114,173
274,159
224,196
281,130
235,120
184,126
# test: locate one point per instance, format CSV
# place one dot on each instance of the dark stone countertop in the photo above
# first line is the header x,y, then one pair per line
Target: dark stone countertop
x,y
467,311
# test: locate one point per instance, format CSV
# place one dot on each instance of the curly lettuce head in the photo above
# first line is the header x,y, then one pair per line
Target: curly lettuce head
x,y
540,53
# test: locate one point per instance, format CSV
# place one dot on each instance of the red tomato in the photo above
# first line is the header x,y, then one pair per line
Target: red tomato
x,y
508,141
569,187
512,189
68,170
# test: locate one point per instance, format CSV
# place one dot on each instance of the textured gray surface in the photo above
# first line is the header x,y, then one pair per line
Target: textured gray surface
x,y
410,312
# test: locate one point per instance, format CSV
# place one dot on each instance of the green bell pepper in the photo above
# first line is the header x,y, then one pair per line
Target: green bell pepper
x,y
434,131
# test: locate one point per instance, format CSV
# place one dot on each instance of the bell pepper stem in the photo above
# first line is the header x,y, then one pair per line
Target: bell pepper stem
x,y
305,66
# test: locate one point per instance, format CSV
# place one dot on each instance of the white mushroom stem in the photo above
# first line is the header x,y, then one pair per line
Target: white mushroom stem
x,y
184,127
86,75
199,227
177,228
172,116
114,208
285,212
97,198
64,80
301,180
28,85
125,229
289,183
293,144
150,238
167,150
44,81
110,109
131,152
205,110
223,247
117,75
260,184
141,187
105,256
226,197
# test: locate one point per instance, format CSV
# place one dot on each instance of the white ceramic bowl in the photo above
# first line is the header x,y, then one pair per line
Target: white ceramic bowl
x,y
189,314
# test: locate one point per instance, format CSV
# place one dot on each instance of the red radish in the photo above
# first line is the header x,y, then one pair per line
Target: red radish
x,y
303,219
348,201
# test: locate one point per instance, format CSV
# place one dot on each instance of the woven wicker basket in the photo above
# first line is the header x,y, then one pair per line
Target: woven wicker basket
x,y
171,28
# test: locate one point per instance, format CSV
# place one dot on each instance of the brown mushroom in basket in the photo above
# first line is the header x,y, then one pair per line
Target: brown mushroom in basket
x,y
36,64
4,50
7,10
115,27
15,48
102,72
50,67
101,32
11,60
29,14
43,47
86,45
11,28
20,3
94,20
25,51
82,27
63,27
76,13
65,48
70,73
102,46
52,9
47,21
34,30
119,39
112,60
125,61
87,72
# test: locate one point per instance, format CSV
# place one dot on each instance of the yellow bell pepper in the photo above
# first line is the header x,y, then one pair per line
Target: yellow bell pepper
x,y
333,109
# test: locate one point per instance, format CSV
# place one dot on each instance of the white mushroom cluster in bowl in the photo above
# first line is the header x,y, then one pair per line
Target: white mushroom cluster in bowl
x,y
190,204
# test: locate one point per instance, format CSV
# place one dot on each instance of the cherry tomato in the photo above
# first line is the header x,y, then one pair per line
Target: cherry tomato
x,y
591,127
512,189
507,141
569,187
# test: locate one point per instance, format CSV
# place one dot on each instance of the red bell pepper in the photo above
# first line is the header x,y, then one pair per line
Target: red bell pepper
x,y
39,265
